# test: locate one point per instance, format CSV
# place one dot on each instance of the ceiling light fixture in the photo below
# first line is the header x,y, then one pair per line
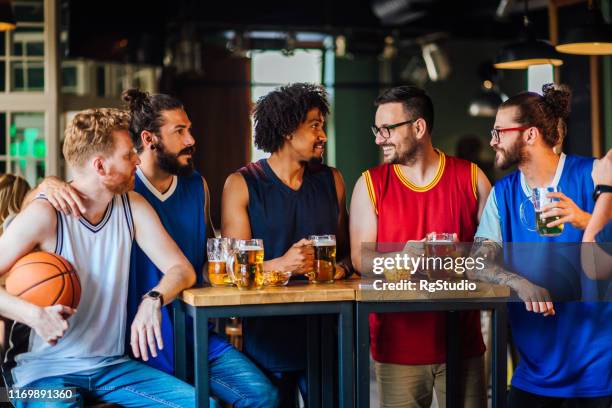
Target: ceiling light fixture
x,y
530,51
7,17
592,38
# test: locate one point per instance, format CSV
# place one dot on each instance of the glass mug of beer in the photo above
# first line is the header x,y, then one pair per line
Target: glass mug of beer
x,y
245,263
324,258
218,251
438,247
539,198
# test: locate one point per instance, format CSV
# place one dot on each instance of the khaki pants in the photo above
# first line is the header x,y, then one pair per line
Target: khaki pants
x,y
411,386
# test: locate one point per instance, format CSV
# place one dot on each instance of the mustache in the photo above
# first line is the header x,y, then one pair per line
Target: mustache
x,y
187,150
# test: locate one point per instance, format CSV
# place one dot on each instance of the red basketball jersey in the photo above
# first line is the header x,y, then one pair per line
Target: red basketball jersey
x,y
409,212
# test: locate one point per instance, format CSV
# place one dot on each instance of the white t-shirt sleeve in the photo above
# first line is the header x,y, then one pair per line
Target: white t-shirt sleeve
x,y
490,224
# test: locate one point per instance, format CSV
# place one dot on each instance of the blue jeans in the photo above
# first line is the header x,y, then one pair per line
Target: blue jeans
x,y
236,380
129,384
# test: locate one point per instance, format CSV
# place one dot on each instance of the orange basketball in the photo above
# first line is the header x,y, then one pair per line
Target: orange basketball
x,y
44,279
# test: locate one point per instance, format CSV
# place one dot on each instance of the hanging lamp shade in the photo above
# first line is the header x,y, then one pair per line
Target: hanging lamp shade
x,y
7,18
528,51
592,38
522,54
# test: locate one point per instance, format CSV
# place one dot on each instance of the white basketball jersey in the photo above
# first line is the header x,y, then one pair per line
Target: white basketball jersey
x,y
101,256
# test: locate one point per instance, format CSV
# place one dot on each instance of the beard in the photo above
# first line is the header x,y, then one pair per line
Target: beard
x,y
315,161
169,162
512,156
122,186
406,157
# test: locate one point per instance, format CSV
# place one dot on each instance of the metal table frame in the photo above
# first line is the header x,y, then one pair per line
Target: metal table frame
x,y
200,314
453,399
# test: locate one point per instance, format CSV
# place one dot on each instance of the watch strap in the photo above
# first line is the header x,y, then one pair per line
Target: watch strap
x,y
599,189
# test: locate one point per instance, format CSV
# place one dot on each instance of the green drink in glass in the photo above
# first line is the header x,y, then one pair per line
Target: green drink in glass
x,y
540,199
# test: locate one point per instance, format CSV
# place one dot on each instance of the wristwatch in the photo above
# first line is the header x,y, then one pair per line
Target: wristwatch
x,y
155,295
600,189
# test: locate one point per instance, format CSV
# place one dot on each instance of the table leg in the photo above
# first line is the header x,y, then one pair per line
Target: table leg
x,y
453,361
328,339
200,334
499,364
362,351
180,340
345,356
313,364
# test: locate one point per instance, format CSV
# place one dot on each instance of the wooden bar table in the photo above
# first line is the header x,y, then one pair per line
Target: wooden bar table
x,y
485,296
297,298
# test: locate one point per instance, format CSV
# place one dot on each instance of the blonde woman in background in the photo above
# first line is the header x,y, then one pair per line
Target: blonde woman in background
x,y
13,190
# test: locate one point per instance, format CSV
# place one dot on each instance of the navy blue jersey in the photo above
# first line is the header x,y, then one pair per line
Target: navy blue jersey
x,y
181,211
281,217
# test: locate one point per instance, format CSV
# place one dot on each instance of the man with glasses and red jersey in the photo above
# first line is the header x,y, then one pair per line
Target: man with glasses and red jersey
x,y
564,347
418,190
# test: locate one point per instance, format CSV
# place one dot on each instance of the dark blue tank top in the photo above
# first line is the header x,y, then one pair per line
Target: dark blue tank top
x,y
282,216
181,211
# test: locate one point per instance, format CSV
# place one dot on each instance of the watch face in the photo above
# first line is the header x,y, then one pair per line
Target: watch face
x,y
154,294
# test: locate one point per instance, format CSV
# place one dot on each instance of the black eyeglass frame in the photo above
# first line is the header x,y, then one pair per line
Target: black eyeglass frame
x,y
375,129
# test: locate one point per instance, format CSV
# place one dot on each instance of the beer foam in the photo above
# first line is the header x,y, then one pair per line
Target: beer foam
x,y
327,242
250,248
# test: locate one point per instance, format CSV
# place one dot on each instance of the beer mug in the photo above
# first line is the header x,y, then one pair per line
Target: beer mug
x,y
245,263
438,246
218,251
539,200
324,258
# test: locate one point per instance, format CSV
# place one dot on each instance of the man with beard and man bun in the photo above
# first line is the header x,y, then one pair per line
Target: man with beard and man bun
x,y
283,199
161,131
564,347
418,190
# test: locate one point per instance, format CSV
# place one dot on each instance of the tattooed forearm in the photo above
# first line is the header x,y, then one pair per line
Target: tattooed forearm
x,y
493,272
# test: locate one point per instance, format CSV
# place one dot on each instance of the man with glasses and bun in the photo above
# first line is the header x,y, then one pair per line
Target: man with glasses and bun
x,y
418,190
564,346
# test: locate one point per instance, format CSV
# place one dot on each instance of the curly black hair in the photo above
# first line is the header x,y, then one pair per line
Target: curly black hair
x,y
280,112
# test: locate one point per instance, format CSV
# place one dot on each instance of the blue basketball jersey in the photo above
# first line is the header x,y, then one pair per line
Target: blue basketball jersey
x,y
569,354
181,211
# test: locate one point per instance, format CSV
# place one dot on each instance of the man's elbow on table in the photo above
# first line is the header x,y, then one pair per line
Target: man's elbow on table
x,y
178,278
188,274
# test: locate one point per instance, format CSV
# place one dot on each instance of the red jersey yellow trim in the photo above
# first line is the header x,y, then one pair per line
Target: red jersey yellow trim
x,y
432,184
474,176
368,180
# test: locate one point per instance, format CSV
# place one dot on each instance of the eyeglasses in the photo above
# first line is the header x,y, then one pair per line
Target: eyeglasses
x,y
385,131
496,133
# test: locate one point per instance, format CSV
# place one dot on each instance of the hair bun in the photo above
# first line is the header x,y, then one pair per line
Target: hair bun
x,y
557,99
134,98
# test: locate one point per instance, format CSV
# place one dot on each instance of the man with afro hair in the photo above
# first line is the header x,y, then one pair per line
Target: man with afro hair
x,y
283,199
